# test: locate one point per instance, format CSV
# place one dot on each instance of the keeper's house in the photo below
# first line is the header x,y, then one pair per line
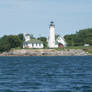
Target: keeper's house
x,y
32,43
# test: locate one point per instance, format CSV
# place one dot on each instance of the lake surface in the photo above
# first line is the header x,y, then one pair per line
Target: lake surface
x,y
46,74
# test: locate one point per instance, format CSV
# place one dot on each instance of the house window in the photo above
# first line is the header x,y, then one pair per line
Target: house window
x,y
25,44
32,45
39,44
36,44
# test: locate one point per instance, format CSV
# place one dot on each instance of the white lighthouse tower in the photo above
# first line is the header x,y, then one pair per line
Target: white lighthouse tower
x,y
51,39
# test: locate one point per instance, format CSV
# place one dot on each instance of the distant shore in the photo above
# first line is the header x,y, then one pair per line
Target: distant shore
x,y
45,52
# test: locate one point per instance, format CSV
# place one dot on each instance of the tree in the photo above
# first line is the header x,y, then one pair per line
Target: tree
x,y
44,40
21,37
79,38
11,41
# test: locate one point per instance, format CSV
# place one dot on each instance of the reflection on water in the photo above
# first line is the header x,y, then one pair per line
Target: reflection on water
x,y
46,74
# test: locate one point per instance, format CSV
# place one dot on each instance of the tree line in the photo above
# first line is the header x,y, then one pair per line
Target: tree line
x,y
79,38
8,42
11,41
16,41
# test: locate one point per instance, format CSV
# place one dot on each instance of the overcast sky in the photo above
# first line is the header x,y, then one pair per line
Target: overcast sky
x,y
34,16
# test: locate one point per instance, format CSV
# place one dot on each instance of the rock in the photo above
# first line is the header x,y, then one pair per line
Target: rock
x,y
45,52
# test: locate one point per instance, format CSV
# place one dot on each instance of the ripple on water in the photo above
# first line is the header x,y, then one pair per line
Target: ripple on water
x,y
46,74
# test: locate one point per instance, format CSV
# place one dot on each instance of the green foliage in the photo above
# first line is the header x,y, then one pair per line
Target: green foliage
x,y
44,40
4,45
80,38
90,52
21,37
32,36
11,41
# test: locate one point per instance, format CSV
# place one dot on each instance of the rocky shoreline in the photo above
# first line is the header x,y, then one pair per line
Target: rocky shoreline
x,y
45,52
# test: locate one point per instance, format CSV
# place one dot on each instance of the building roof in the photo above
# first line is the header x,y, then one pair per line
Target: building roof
x,y
58,40
33,41
27,34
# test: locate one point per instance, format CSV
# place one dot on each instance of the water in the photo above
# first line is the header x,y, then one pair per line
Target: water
x,y
46,74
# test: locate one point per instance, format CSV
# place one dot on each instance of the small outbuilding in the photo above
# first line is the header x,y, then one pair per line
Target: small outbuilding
x,y
31,42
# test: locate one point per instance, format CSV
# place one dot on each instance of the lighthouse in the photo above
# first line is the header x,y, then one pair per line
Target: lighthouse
x,y
51,39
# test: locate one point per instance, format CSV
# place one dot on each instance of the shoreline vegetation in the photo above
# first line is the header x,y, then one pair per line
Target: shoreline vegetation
x,y
78,44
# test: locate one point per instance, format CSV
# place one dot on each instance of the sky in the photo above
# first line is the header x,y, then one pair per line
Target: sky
x,y
34,16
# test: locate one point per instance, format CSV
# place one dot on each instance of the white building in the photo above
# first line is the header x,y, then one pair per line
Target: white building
x,y
86,45
32,43
60,40
27,37
53,40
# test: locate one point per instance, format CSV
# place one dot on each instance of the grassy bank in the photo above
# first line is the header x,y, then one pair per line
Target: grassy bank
x,y
75,47
90,52
78,47
87,49
68,47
